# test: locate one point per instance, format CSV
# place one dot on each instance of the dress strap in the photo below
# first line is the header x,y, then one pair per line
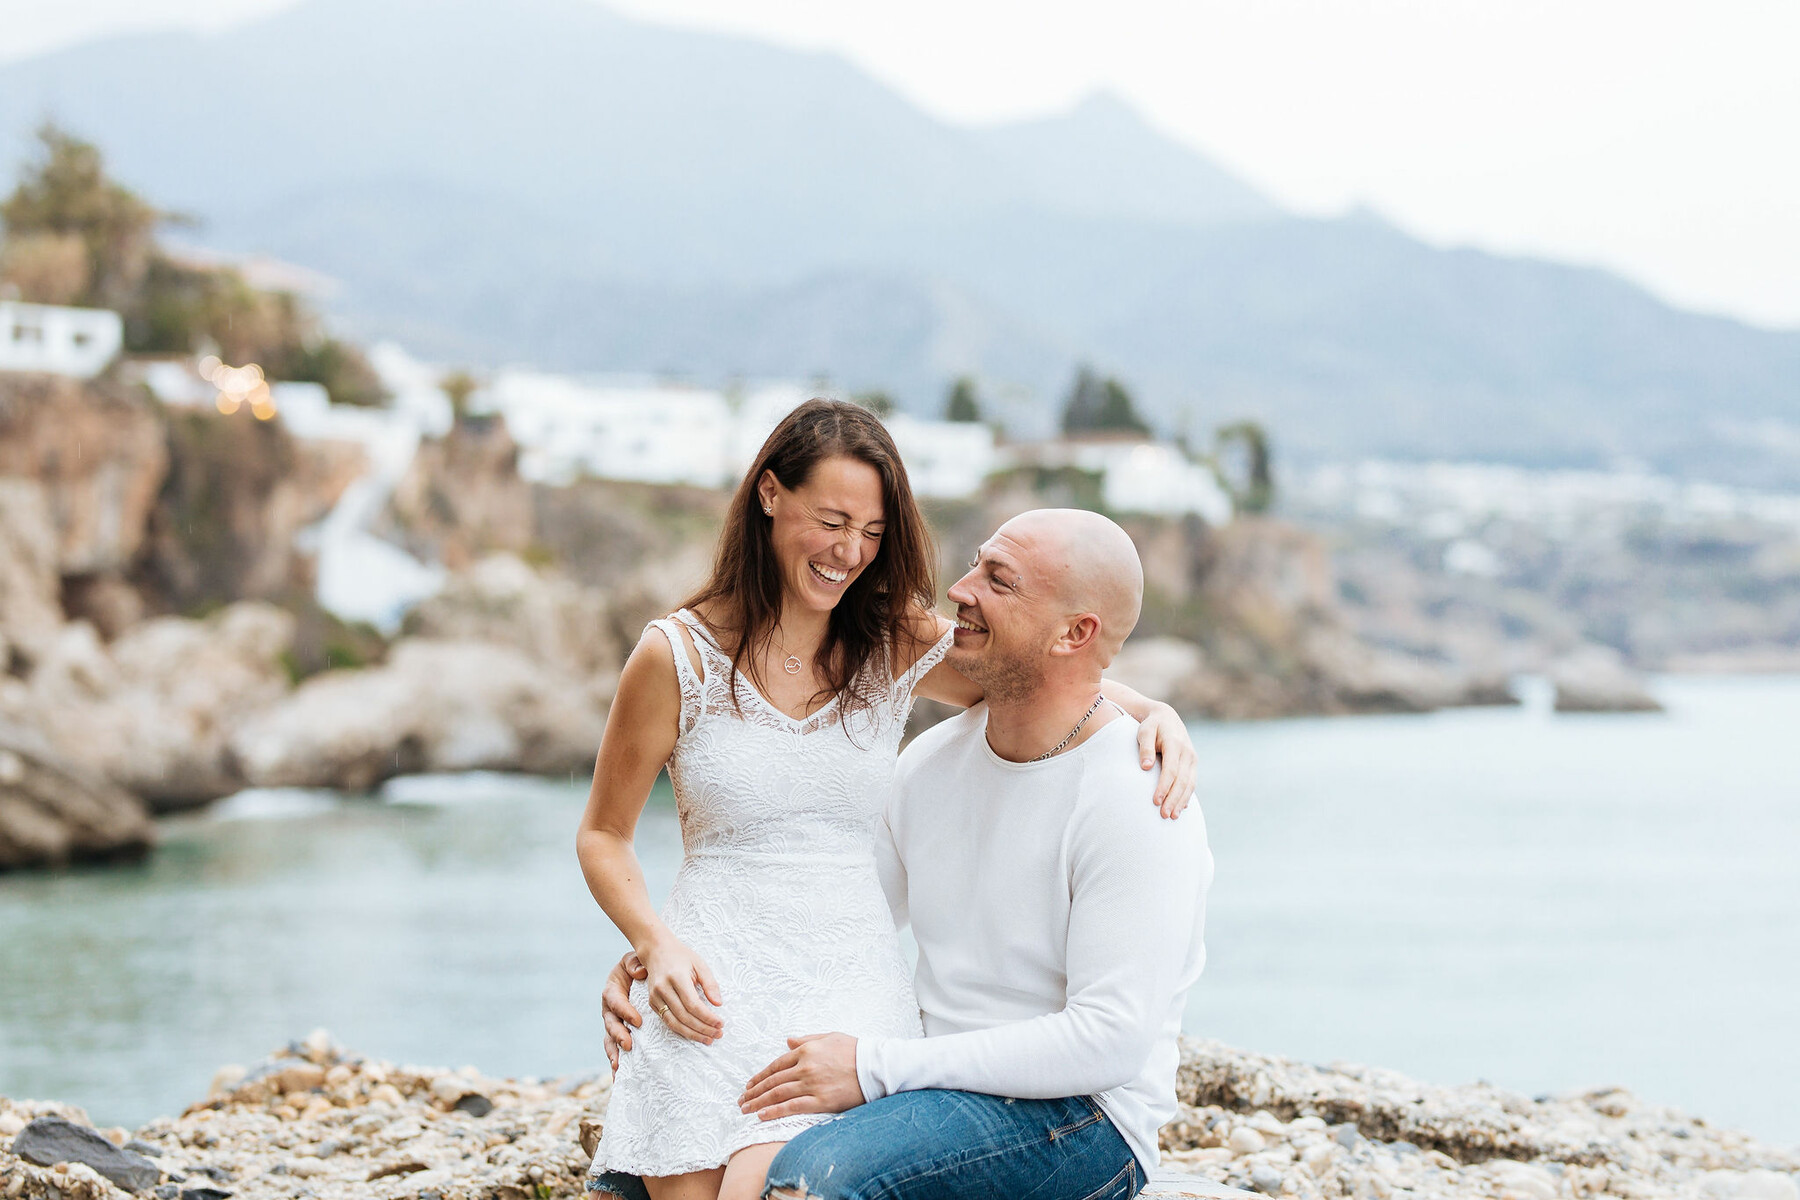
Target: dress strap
x,y
691,683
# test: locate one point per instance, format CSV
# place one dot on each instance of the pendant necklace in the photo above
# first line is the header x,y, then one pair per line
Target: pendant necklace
x,y
791,664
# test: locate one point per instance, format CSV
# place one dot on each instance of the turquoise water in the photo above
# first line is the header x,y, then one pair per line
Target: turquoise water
x,y
1546,902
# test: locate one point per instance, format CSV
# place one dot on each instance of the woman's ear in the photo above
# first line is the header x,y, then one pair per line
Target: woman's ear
x,y
765,490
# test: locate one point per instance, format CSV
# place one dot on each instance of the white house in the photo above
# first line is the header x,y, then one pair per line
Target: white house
x,y
944,459
1135,475
63,341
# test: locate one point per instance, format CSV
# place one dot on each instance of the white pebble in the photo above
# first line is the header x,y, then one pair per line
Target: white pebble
x,y
1245,1140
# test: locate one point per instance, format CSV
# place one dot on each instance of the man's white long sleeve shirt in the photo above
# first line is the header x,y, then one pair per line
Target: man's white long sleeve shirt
x,y
1059,922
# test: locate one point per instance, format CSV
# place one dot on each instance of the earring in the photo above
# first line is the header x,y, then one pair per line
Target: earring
x,y
768,512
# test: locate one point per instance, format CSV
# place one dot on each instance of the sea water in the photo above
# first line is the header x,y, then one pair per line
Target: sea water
x,y
1548,902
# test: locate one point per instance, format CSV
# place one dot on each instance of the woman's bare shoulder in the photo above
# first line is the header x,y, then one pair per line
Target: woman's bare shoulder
x,y
919,631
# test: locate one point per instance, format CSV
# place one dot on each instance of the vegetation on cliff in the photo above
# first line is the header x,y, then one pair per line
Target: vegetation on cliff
x,y
76,236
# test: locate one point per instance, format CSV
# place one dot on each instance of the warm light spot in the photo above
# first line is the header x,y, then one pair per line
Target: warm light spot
x,y
240,385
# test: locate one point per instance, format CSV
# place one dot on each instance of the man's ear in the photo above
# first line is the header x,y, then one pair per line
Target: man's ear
x,y
1081,633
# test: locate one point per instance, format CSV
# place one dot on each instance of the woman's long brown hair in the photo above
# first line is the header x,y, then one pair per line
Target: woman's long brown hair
x,y
877,613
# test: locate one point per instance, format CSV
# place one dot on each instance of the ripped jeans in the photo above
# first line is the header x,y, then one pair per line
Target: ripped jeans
x,y
946,1145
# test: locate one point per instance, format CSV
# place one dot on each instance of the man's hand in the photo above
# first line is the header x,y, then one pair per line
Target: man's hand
x,y
615,1005
816,1075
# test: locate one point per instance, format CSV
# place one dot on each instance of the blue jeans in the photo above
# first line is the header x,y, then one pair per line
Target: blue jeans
x,y
944,1145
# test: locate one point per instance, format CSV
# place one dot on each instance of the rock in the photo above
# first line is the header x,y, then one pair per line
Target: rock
x,y
226,1079
1596,679
553,620
434,706
1242,621
448,1089
1525,1179
235,494
1266,1179
475,1105
49,1140
1749,1185
97,451
1245,1140
462,496
30,608
53,812
588,1134
154,710
402,1167
203,1191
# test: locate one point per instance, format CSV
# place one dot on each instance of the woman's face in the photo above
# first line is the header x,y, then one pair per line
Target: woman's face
x,y
826,531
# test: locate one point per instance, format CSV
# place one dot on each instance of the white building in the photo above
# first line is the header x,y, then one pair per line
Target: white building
x,y
657,434
62,341
944,459
1136,476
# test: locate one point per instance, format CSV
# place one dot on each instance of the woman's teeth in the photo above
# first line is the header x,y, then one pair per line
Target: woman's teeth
x,y
828,574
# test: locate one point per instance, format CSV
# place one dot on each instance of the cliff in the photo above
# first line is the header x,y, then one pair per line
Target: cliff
x,y
316,1120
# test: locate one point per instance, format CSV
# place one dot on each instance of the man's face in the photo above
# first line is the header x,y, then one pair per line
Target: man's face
x,y
1005,617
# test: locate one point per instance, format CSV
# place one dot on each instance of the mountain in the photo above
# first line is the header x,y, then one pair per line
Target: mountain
x,y
546,180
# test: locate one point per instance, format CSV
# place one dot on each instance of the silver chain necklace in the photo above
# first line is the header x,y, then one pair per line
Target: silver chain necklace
x,y
1092,708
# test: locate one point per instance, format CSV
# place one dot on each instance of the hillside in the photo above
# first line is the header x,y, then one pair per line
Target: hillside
x,y
549,181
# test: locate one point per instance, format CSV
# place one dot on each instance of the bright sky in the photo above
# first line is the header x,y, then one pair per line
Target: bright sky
x,y
1655,137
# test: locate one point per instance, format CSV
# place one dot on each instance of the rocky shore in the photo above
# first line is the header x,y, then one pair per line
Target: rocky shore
x,y
317,1122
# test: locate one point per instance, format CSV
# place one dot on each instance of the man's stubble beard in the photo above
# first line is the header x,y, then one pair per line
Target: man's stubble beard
x,y
1008,679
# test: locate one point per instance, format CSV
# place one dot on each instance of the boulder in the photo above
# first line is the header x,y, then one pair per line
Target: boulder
x,y
50,1140
462,496
1596,679
551,619
30,611
154,711
54,812
96,447
433,706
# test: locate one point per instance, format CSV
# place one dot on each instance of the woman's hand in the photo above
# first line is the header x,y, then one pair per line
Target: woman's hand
x,y
1163,733
679,982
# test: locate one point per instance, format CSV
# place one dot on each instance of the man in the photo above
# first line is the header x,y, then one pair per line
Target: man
x,y
1058,918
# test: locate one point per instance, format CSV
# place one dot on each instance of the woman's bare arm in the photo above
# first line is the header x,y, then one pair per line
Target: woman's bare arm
x,y
641,730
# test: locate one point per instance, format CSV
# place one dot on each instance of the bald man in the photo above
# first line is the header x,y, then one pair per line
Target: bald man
x,y
1058,917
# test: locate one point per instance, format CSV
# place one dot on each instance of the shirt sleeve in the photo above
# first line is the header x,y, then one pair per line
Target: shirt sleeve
x,y
890,868
1137,901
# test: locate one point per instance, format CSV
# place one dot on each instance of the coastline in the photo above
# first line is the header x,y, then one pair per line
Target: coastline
x,y
314,1120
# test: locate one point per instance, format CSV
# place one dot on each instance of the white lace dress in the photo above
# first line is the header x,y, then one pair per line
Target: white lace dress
x,y
778,893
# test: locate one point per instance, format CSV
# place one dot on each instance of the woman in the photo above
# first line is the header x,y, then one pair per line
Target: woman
x,y
777,696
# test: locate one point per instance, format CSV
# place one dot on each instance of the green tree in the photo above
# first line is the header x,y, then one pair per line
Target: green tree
x,y
1097,405
1252,482
66,194
459,385
962,404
